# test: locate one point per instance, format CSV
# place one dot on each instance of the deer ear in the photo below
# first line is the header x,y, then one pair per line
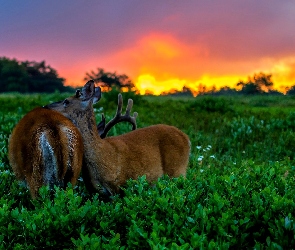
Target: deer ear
x,y
97,95
88,90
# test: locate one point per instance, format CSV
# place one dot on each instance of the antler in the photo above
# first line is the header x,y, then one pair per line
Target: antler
x,y
104,129
101,126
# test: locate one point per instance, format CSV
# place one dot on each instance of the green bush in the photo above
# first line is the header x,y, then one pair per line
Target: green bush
x,y
212,104
238,193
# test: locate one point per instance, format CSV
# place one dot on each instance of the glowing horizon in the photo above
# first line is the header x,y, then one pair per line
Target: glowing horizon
x,y
282,72
147,83
159,62
159,48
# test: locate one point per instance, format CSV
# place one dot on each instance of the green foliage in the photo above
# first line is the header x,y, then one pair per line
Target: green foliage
x,y
212,104
28,76
238,193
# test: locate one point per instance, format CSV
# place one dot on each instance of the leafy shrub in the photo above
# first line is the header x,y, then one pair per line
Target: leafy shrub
x,y
212,104
238,192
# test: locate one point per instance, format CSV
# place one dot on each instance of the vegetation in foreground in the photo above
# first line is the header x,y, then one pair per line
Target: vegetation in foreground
x,y
239,191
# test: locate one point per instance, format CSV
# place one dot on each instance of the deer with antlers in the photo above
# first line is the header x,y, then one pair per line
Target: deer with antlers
x,y
110,162
46,148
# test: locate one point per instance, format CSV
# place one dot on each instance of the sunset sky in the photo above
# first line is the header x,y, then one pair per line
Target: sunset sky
x,y
159,44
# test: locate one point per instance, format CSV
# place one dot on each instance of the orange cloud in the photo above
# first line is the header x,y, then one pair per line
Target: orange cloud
x,y
160,55
160,62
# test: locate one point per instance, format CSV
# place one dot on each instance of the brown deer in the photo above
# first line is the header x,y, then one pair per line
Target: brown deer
x,y
110,162
46,148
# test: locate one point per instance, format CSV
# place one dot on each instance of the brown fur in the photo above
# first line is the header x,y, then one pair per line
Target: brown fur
x,y
151,151
110,162
45,148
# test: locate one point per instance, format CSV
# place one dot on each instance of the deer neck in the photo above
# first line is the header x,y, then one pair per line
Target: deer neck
x,y
94,154
85,121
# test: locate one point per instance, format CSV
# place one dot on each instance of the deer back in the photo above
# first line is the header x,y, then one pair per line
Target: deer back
x,y
45,148
152,151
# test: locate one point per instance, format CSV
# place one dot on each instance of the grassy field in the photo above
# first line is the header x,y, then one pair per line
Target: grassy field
x,y
239,191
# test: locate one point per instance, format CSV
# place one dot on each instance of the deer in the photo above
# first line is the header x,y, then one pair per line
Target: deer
x,y
46,148
108,163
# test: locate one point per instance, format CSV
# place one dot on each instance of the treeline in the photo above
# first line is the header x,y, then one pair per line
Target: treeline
x,y
259,84
29,76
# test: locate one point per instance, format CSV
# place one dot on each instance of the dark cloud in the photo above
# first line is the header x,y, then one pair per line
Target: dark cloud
x,y
106,25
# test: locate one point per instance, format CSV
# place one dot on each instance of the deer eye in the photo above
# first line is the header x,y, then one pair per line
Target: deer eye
x,y
78,93
66,102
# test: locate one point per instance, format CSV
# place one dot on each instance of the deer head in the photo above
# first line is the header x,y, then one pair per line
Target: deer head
x,y
74,107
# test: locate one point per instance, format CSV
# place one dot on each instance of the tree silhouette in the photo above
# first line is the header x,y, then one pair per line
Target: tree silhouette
x,y
186,91
291,90
43,78
110,80
258,84
225,91
13,77
29,77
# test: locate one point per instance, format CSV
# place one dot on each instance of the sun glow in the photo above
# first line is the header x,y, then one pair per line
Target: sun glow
x,y
149,84
283,73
